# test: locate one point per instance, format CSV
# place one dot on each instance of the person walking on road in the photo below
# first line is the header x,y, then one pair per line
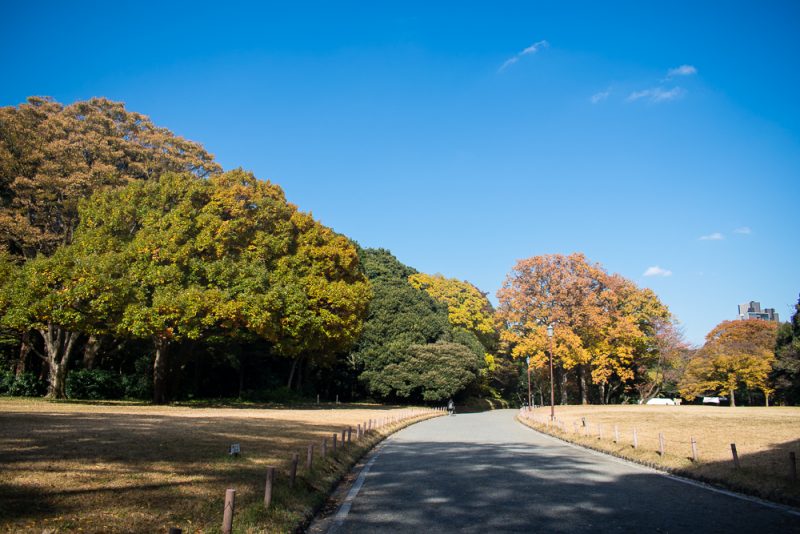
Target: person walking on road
x,y
451,407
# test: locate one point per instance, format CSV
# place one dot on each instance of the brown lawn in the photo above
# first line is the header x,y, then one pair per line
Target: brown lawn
x,y
764,437
137,468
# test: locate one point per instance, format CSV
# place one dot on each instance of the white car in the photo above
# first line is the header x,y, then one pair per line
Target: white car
x,y
661,402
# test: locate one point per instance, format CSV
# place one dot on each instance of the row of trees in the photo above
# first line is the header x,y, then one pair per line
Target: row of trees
x,y
131,264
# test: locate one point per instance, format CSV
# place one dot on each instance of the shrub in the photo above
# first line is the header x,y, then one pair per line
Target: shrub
x,y
6,381
26,385
137,386
94,384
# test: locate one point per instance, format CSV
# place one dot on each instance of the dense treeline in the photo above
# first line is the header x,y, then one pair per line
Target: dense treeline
x,y
132,266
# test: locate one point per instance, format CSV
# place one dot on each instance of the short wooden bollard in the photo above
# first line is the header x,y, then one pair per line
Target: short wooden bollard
x,y
227,514
793,465
310,457
358,431
635,439
344,436
735,456
694,449
268,486
661,444
616,434
349,434
293,468
324,448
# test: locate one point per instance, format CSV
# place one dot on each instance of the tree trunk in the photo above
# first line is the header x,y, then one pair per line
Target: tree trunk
x,y
602,387
90,351
733,399
160,371
24,352
58,345
564,392
583,385
291,373
766,399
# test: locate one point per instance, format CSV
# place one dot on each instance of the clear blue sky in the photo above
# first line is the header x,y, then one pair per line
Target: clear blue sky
x,y
652,136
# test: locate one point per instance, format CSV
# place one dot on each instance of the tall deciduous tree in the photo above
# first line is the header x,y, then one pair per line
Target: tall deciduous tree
x,y
603,324
226,255
735,353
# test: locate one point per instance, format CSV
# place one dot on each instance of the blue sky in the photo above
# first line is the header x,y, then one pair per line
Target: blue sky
x,y
660,139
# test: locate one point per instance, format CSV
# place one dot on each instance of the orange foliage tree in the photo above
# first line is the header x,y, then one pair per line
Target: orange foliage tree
x,y
602,323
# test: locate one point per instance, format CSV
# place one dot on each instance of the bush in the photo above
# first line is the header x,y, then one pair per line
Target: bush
x,y
137,387
24,385
6,381
94,384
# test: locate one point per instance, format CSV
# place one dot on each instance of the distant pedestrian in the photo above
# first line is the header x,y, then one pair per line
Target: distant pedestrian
x,y
451,407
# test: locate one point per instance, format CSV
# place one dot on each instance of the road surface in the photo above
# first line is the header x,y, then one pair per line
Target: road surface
x,y
488,473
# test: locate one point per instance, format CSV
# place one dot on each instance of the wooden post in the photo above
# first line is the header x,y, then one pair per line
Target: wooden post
x,y
616,434
694,449
793,465
324,449
227,514
349,434
293,469
661,443
268,486
358,431
635,439
310,457
334,442
344,436
735,456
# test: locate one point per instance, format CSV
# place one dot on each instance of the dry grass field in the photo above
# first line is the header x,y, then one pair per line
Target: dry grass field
x,y
136,468
764,437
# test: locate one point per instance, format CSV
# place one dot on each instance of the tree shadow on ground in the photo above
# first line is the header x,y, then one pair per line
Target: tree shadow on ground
x,y
467,487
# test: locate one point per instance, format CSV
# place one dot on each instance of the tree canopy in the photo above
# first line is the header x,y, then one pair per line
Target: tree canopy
x,y
739,352
52,156
602,323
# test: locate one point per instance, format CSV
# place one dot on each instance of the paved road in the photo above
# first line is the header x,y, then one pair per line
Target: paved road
x,y
487,473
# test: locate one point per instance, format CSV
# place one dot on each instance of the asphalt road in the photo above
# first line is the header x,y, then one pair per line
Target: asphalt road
x,y
487,473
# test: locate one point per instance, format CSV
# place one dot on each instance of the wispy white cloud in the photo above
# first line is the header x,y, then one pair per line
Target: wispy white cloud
x,y
532,49
683,70
599,97
744,230
716,236
657,271
657,94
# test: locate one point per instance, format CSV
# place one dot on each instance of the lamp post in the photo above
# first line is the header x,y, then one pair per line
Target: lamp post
x,y
528,362
552,389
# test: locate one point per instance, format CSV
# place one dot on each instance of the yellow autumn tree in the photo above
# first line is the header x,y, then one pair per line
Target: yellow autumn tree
x,y
736,353
467,306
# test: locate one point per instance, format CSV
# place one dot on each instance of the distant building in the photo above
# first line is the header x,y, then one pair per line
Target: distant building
x,y
752,310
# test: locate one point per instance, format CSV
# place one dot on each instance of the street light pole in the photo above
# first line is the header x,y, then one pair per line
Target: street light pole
x,y
528,362
552,389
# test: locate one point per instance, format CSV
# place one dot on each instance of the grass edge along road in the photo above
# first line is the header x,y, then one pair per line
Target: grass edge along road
x,y
764,469
176,477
